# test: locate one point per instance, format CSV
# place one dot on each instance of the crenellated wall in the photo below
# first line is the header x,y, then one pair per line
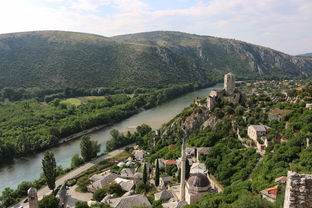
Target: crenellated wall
x,y
298,193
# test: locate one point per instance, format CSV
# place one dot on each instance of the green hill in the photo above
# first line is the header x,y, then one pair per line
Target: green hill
x,y
56,59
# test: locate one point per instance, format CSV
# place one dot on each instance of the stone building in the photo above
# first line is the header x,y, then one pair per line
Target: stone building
x,y
270,193
211,103
197,186
256,131
32,198
298,192
229,83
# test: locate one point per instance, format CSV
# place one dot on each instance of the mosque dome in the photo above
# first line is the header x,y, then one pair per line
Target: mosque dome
x,y
198,180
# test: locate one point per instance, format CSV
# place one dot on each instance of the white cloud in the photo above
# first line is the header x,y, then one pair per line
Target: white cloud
x,y
281,24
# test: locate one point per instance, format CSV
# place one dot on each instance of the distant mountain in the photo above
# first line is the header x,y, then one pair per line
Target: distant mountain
x,y
306,54
56,59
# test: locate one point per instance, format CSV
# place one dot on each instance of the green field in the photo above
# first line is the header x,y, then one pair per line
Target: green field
x,y
80,100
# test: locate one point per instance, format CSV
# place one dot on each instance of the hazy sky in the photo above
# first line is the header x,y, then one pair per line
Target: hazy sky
x,y
285,25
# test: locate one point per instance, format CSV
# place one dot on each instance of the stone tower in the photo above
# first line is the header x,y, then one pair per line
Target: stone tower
x,y
32,198
183,160
229,83
211,103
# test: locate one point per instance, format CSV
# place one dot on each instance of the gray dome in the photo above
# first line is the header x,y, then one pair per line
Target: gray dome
x,y
32,191
198,180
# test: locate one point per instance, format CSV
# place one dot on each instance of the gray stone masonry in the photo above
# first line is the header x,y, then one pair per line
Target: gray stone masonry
x,y
298,193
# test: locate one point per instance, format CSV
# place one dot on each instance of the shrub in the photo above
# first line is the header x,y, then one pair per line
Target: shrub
x,y
49,201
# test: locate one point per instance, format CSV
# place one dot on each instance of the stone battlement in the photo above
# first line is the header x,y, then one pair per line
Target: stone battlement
x,y
298,193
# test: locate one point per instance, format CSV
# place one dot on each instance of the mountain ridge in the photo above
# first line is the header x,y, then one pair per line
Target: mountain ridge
x,y
58,59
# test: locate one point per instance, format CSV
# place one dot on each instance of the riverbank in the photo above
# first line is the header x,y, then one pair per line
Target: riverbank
x,y
45,190
83,133
29,168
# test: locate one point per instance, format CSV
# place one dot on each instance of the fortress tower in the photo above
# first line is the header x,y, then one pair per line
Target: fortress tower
x,y
229,84
32,198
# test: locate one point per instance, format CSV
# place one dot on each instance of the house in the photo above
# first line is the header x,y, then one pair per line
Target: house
x,y
138,200
138,175
281,180
127,172
198,168
309,105
261,146
126,185
163,195
190,152
139,154
170,162
164,181
202,151
107,178
161,163
277,114
256,131
190,161
121,164
270,193
174,204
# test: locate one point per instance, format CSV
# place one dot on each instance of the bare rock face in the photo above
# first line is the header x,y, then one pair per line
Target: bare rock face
x,y
211,121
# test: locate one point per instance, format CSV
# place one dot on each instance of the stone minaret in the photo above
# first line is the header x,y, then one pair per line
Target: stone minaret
x,y
183,160
32,198
229,83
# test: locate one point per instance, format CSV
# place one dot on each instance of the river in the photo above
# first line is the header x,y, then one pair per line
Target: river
x,y
29,168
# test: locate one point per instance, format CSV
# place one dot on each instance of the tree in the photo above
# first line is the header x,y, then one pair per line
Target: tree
x,y
144,174
23,187
157,173
76,161
8,197
113,188
143,129
49,201
187,169
49,169
88,148
99,194
80,204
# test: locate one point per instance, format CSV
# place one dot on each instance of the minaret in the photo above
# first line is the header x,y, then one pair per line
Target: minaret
x,y
32,198
183,159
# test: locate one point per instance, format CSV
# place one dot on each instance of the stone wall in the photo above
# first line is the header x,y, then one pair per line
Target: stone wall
x,y
298,193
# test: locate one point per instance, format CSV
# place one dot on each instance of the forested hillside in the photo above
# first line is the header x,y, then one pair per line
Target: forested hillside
x,y
55,59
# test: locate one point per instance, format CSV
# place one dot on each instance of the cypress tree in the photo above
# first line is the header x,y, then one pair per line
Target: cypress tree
x,y
49,169
157,173
144,174
187,169
88,148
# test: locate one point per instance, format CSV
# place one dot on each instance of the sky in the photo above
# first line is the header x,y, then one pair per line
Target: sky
x,y
284,25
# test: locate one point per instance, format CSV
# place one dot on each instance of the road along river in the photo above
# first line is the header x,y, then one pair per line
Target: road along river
x,y
29,168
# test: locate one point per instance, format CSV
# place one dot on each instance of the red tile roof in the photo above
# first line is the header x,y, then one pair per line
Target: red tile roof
x,y
170,162
281,179
272,190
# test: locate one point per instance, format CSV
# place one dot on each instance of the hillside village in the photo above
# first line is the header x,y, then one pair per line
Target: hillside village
x,y
176,166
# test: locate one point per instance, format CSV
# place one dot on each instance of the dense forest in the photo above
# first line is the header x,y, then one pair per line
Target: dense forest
x,y
29,126
59,60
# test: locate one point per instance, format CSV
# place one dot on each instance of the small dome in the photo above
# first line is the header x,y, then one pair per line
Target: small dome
x,y
32,191
198,180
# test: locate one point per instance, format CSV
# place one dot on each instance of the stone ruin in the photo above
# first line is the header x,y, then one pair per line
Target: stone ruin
x,y
298,192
